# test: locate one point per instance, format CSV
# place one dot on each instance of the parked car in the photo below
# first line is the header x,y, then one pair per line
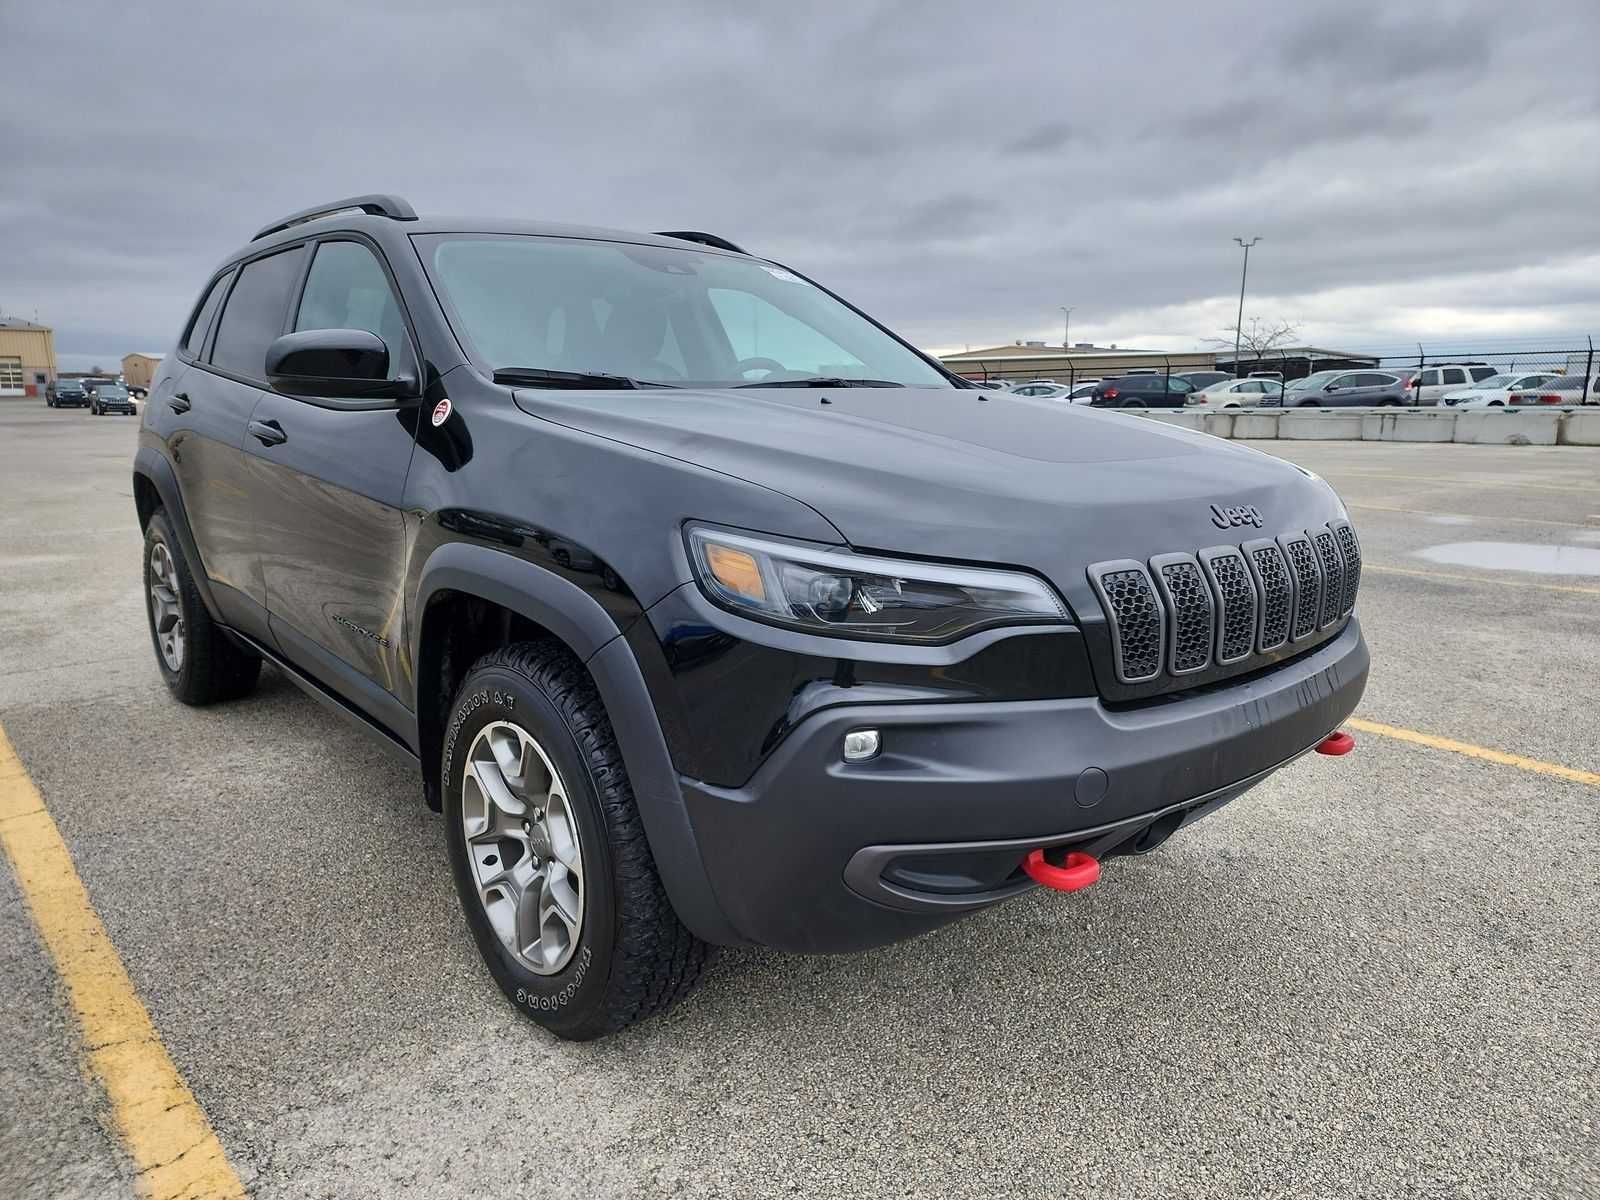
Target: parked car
x,y
66,393
1204,379
92,383
1237,393
1047,391
1346,389
750,731
111,398
1492,392
1564,389
1430,383
1141,391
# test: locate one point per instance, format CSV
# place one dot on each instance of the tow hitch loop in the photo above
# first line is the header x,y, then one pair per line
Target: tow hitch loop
x,y
1078,873
1337,742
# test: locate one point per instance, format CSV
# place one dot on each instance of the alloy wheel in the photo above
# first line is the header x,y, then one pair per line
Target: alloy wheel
x,y
524,847
166,610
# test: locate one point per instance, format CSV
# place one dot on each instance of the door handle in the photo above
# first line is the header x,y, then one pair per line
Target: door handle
x,y
268,433
179,402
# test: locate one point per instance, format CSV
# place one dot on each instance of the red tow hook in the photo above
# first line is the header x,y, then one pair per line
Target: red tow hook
x,y
1336,743
1078,873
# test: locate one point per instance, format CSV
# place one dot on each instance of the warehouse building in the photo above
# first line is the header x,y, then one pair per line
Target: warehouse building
x,y
27,357
1024,361
139,369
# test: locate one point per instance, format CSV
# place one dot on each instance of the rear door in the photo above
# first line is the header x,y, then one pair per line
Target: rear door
x,y
328,476
209,406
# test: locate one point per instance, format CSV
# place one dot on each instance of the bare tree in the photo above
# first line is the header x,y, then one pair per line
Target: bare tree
x,y
1257,337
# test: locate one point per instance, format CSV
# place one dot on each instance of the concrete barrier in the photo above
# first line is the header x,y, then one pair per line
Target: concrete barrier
x,y
1491,428
1580,429
1392,425
1327,425
1481,427
1171,416
1259,424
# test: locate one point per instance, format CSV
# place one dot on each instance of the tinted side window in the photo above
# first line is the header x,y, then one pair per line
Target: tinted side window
x,y
1428,378
254,314
1454,375
1480,373
347,289
195,339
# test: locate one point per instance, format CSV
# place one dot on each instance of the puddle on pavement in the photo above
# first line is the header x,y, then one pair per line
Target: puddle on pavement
x,y
1517,556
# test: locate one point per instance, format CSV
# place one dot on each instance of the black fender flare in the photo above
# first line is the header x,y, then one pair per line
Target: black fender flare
x,y
151,465
573,616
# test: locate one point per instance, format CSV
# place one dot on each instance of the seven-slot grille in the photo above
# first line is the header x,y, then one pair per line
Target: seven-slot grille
x,y
1182,613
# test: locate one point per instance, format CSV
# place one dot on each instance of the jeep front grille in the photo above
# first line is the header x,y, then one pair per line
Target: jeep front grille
x,y
1137,622
1307,584
1183,613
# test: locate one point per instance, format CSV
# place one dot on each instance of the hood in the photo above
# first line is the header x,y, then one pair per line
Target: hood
x,y
975,476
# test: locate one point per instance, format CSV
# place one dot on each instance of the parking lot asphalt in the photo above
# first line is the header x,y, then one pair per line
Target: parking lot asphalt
x,y
1372,976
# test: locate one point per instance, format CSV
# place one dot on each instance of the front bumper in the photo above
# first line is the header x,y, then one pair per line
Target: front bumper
x,y
815,854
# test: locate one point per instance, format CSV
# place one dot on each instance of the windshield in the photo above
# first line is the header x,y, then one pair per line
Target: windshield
x,y
111,391
654,314
1317,380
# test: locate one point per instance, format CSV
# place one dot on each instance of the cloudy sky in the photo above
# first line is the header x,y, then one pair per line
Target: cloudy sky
x,y
1414,170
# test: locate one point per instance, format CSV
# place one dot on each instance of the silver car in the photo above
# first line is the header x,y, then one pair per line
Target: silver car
x,y
1346,389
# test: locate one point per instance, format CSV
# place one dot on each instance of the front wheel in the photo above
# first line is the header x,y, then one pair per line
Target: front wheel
x,y
549,855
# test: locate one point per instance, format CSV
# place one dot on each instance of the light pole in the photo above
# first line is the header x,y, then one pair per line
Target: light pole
x,y
1066,326
1238,323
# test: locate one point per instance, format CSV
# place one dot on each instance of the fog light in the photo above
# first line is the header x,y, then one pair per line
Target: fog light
x,y
861,744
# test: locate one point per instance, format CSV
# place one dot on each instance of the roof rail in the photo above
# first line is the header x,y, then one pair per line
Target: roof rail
x,y
376,205
704,239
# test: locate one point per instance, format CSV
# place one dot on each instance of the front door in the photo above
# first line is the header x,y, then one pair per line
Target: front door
x,y
327,480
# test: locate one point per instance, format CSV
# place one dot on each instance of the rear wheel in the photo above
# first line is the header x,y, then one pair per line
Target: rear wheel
x,y
197,661
1133,403
550,859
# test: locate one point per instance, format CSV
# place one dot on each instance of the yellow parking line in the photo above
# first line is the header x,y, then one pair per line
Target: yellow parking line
x,y
1467,748
173,1147
1521,583
1496,520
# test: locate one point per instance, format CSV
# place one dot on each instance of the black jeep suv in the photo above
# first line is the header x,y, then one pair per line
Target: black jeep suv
x,y
709,610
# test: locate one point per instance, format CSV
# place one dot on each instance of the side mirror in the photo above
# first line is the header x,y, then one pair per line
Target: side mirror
x,y
351,364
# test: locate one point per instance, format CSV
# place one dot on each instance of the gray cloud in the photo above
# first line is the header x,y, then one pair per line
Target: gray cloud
x,y
958,176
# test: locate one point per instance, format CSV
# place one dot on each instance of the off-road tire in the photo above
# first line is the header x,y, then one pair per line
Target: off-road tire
x,y
213,668
633,957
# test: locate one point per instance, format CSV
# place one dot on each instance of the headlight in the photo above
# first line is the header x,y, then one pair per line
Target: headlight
x,y
843,594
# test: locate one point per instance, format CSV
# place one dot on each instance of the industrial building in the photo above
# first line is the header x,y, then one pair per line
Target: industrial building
x,y
27,357
1024,361
140,368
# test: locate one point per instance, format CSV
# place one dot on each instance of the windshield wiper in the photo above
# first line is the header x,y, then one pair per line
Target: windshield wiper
x,y
577,380
815,381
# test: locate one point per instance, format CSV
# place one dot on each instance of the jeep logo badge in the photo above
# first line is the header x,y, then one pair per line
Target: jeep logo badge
x,y
1235,515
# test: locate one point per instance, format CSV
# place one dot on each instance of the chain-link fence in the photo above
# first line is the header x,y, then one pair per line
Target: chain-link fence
x,y
1427,376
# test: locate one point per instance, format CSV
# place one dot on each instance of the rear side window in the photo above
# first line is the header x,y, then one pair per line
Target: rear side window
x,y
1455,375
1480,373
254,314
195,339
347,289
1428,379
